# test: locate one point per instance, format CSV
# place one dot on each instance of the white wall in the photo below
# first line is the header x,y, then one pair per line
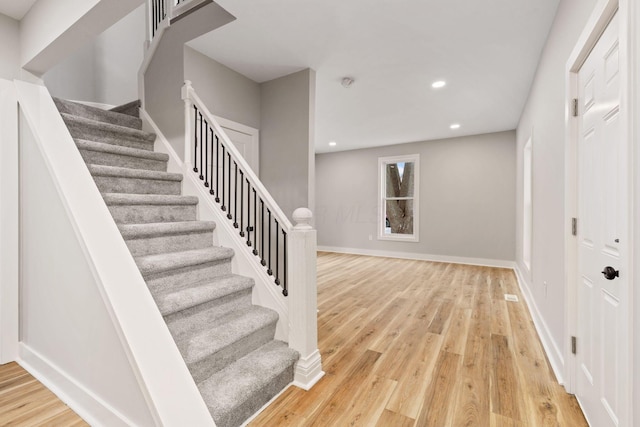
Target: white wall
x,y
9,48
53,28
467,198
106,69
287,121
226,93
65,326
543,117
165,75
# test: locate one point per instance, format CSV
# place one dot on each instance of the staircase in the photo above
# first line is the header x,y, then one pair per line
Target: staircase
x,y
227,343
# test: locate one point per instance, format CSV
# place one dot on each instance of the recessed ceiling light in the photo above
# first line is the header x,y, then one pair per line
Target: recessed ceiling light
x,y
455,126
332,144
438,84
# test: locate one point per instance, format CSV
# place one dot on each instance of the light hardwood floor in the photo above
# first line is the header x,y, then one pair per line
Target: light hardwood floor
x,y
404,343
415,343
24,401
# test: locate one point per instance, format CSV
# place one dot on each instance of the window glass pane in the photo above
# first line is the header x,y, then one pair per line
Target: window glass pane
x,y
399,179
399,217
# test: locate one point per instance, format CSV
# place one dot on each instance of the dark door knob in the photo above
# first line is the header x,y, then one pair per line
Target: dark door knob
x,y
610,273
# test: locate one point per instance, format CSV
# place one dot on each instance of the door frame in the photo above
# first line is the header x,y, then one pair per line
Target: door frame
x,y
600,18
253,132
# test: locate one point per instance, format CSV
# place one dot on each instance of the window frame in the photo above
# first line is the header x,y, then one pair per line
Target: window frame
x,y
382,198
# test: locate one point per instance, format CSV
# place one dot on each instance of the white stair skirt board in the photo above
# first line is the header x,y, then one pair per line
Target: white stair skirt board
x,y
554,354
499,263
82,401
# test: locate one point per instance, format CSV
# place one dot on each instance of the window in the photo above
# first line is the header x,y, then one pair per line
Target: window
x,y
527,206
398,205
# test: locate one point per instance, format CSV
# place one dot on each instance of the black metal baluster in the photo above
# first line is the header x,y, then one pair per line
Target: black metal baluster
x,y
262,260
255,223
206,154
217,169
153,19
201,144
235,196
248,213
211,168
223,207
195,138
277,252
269,270
229,216
241,203
285,290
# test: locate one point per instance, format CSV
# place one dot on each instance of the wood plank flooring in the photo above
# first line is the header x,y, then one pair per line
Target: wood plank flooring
x,y
24,401
415,343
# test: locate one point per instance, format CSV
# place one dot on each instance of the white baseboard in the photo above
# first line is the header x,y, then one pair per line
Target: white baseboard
x,y
554,354
422,257
82,401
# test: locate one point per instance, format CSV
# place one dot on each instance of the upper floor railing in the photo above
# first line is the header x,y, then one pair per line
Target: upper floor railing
x,y
162,12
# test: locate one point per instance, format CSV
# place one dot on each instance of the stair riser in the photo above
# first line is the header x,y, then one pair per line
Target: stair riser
x,y
91,133
98,115
254,401
110,159
171,243
186,276
208,366
142,214
209,312
113,184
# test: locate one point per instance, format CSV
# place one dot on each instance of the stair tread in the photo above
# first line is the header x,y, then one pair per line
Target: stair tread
x,y
157,263
110,127
95,113
203,340
116,171
119,149
178,300
229,387
148,199
127,108
154,229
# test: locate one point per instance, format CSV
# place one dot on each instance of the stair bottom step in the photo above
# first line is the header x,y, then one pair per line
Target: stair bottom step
x,y
238,391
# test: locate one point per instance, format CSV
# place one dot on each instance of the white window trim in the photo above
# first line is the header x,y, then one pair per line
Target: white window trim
x,y
382,161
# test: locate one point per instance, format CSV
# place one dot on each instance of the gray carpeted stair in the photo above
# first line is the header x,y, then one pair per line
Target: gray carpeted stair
x,y
227,343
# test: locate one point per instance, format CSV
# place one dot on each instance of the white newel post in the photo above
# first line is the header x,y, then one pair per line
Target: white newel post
x,y
303,300
188,128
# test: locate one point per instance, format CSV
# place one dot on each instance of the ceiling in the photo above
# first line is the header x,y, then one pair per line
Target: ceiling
x,y
15,8
486,50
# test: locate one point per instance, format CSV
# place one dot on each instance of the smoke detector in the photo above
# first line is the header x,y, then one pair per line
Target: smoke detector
x,y
347,82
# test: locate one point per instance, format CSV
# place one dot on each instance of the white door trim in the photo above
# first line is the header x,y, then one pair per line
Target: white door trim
x,y
253,132
9,224
597,23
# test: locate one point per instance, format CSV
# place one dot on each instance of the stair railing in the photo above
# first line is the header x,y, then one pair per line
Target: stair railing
x,y
236,189
286,253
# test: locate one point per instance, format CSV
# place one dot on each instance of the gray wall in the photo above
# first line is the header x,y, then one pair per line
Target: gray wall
x,y
9,47
226,93
287,120
544,117
105,70
165,75
467,197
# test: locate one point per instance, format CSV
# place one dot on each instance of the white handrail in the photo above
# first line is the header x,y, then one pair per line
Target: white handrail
x,y
191,97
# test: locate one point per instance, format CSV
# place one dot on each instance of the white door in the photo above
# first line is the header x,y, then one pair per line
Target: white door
x,y
603,238
245,139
